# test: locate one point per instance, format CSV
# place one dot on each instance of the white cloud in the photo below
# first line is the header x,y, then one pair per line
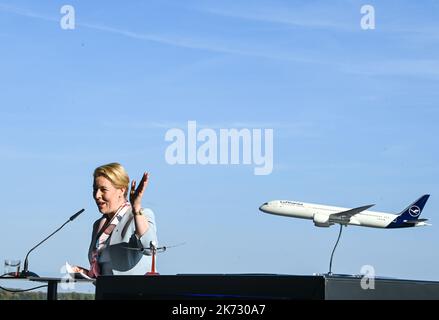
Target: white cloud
x,y
25,13
282,16
177,41
413,67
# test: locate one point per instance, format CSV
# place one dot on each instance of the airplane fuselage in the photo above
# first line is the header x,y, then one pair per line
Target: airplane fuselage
x,y
321,214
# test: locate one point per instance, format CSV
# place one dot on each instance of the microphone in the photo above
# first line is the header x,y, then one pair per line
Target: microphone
x,y
76,215
26,273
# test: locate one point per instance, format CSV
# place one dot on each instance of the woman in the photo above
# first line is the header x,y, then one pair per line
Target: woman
x,y
125,228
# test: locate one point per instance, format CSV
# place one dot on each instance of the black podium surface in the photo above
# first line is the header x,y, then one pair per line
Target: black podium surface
x,y
260,286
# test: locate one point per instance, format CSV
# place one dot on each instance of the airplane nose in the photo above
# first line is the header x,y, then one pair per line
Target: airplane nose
x,y
262,207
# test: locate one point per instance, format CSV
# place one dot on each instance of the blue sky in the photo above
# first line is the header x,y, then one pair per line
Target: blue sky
x,y
354,114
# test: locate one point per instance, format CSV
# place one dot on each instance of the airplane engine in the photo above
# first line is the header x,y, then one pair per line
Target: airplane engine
x,y
321,220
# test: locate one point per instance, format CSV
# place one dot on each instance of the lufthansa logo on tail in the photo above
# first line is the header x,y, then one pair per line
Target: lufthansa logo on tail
x,y
414,211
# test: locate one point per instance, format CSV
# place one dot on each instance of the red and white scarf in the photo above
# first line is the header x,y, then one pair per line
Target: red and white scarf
x,y
102,237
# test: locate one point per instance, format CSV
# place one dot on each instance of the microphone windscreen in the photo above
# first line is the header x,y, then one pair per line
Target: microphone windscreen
x,y
76,214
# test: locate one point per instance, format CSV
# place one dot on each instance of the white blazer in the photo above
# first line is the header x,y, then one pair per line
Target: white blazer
x,y
121,260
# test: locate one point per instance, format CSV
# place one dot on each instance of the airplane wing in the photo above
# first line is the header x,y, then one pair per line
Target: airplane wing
x,y
345,216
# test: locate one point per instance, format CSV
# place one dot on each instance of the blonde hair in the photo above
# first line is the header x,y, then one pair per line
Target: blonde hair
x,y
115,173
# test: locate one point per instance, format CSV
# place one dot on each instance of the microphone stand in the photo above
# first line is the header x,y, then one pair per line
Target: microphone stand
x,y
26,273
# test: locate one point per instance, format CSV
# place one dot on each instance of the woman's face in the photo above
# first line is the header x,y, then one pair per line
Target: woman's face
x,y
108,198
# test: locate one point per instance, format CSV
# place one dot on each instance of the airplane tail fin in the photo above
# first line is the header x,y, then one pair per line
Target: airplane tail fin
x,y
413,211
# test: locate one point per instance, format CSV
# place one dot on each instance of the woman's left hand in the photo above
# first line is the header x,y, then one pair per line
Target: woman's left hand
x,y
137,194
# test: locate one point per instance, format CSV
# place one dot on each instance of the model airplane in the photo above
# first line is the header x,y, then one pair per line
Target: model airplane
x,y
325,216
